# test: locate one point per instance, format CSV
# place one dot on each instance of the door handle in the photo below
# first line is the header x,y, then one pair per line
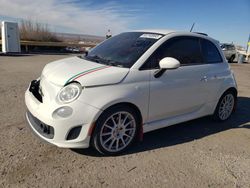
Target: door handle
x,y
203,79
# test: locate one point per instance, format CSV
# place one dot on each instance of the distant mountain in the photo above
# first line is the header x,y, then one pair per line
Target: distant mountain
x,y
79,37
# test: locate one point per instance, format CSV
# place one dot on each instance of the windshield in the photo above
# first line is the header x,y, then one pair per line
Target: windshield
x,y
122,50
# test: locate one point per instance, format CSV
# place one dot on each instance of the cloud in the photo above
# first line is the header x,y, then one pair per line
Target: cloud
x,y
71,16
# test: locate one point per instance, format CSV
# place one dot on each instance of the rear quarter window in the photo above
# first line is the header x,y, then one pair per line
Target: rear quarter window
x,y
210,52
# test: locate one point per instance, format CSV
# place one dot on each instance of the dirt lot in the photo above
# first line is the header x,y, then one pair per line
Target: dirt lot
x,y
199,153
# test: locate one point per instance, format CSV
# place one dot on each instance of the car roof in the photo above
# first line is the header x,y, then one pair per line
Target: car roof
x,y
168,31
159,31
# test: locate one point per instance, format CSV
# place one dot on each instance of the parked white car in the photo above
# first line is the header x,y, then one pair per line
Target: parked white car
x,y
229,51
233,52
130,84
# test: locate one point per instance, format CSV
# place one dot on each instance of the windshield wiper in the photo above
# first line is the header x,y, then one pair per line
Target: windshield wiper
x,y
113,63
95,58
98,59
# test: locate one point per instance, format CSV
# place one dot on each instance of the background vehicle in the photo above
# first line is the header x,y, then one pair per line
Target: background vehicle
x,y
229,51
128,85
233,52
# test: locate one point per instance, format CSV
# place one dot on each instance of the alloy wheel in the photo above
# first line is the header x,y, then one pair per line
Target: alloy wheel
x,y
226,106
117,131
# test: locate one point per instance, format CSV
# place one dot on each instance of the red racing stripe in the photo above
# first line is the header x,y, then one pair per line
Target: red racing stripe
x,y
89,72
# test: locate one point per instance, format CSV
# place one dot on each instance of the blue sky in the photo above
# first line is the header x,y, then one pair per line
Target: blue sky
x,y
225,20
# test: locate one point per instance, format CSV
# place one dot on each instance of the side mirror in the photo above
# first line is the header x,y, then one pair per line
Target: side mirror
x,y
165,64
169,63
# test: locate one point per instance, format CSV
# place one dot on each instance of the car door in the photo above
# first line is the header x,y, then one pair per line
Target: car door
x,y
180,91
217,70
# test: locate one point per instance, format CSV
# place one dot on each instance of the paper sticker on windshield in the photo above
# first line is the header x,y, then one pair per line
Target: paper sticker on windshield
x,y
151,36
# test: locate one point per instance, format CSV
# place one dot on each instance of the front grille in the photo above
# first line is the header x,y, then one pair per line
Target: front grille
x,y
35,88
44,129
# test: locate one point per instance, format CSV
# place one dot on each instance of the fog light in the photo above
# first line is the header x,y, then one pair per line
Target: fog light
x,y
63,112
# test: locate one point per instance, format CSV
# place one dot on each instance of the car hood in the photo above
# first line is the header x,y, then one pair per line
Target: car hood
x,y
87,73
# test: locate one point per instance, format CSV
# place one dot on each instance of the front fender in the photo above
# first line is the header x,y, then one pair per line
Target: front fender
x,y
105,96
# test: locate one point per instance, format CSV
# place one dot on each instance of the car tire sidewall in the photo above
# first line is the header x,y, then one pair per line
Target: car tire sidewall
x,y
95,141
231,60
216,113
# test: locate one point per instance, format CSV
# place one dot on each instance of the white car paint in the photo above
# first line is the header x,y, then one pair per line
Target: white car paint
x,y
59,72
179,95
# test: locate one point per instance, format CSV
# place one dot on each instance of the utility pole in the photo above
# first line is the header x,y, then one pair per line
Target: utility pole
x,y
248,49
248,42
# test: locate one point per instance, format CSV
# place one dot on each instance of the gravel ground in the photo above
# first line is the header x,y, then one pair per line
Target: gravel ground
x,y
199,153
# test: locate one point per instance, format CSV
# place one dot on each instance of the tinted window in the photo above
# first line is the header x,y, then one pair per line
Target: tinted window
x,y
210,52
227,47
124,49
185,49
232,48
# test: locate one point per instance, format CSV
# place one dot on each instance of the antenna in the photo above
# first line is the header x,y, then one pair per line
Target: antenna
x,y
192,27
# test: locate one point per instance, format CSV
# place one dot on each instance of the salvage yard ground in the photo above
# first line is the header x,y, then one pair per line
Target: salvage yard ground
x,y
199,153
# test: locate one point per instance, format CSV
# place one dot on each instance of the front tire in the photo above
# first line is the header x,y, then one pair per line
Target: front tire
x,y
225,106
231,59
116,130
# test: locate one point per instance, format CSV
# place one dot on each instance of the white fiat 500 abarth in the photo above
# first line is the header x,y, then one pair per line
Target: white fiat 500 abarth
x,y
130,84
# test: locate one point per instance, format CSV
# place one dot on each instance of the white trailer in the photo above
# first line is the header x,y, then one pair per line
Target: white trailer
x,y
10,37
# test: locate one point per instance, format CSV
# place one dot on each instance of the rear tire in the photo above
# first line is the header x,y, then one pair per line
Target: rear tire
x,y
225,107
231,59
116,129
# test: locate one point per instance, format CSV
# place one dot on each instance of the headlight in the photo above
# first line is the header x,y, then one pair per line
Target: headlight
x,y
70,93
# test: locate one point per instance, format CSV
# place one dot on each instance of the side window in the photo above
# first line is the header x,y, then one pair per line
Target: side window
x,y
232,47
210,52
226,47
185,49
